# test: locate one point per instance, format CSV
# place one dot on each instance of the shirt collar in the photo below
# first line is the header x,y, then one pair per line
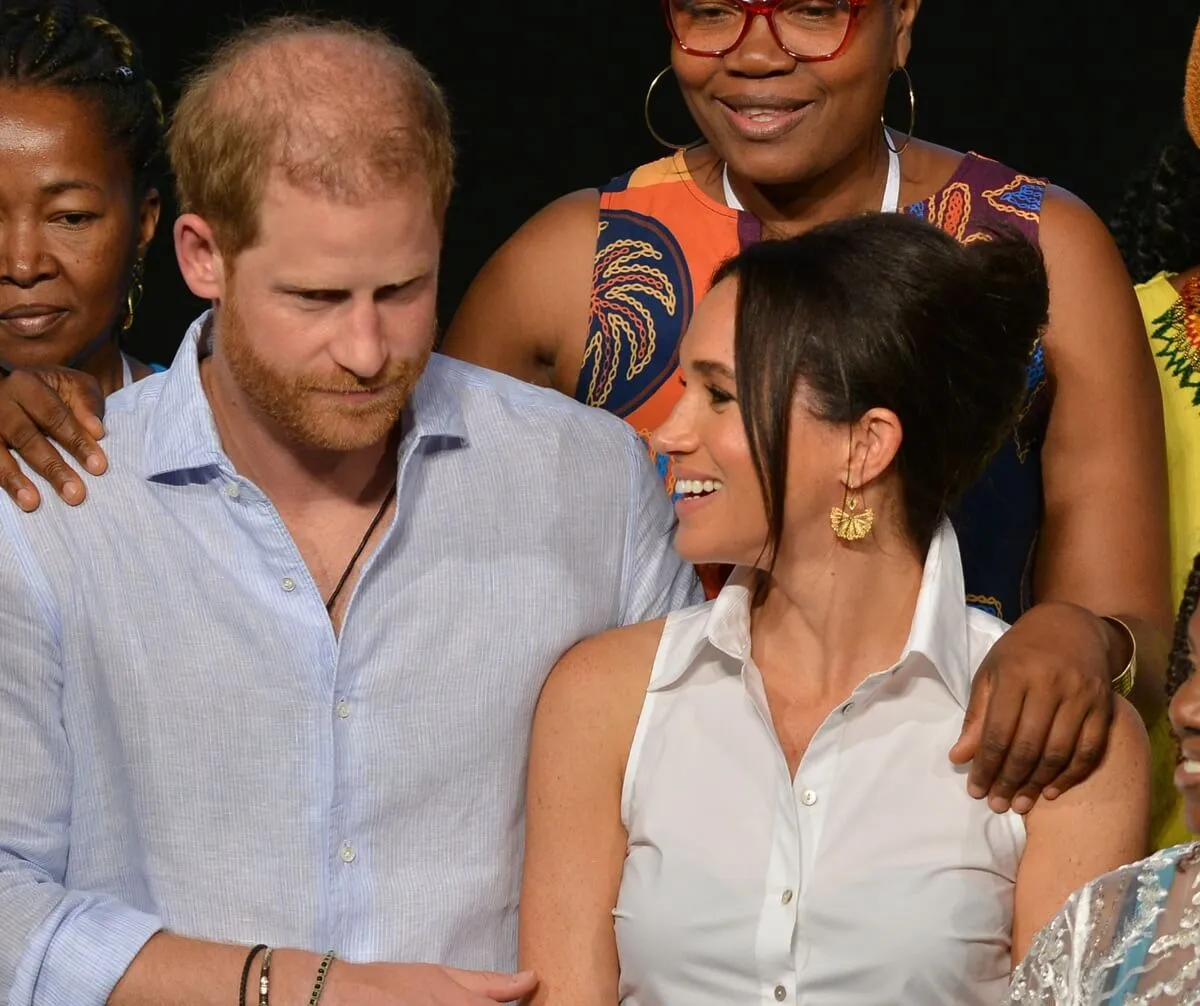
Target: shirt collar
x,y
184,434
938,633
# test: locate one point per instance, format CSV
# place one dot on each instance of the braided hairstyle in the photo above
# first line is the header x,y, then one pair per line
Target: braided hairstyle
x,y
70,45
1158,224
1181,664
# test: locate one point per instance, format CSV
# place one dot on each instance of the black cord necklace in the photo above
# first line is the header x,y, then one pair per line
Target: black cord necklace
x,y
387,501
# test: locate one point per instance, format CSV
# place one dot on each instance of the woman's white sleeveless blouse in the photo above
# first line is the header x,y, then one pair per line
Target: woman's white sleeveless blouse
x,y
872,878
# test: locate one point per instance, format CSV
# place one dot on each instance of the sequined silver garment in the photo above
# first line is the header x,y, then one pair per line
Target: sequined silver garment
x,y
1131,938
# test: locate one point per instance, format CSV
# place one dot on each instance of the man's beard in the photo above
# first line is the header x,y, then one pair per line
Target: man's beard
x,y
307,408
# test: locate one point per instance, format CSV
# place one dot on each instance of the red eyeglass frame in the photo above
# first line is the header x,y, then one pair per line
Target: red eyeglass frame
x,y
765,8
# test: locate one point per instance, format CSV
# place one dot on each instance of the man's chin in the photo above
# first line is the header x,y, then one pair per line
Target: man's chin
x,y
343,429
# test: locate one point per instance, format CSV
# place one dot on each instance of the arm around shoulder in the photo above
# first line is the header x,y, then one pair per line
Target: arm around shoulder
x,y
1105,540
1099,825
575,837
526,313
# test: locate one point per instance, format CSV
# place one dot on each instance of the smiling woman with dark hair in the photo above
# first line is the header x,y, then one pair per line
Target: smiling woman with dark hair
x,y
757,789
1064,534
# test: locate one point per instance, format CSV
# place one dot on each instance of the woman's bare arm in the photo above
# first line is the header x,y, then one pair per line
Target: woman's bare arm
x,y
1105,541
526,313
1104,546
1099,825
575,839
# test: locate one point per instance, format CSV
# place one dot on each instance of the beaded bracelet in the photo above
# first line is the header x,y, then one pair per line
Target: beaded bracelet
x,y
254,952
322,974
264,980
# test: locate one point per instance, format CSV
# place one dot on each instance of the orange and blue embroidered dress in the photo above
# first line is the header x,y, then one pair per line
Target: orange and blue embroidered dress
x,y
660,240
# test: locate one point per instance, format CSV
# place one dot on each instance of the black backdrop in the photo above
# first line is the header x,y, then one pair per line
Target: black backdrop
x,y
548,95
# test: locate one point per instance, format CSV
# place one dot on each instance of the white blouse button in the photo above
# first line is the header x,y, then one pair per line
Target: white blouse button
x,y
348,854
288,584
808,798
343,709
780,993
786,897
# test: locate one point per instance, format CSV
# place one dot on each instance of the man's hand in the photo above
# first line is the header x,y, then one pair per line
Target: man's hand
x,y
421,985
44,404
1040,708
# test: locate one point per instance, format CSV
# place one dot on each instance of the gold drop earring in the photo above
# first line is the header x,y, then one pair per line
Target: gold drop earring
x,y
850,523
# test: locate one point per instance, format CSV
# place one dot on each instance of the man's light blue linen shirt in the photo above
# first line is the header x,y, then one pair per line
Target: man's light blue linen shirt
x,y
185,743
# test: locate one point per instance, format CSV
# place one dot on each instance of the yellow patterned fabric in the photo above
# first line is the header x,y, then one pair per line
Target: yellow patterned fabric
x,y
1173,327
1174,330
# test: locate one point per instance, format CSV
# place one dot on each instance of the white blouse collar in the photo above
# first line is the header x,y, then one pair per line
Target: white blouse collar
x,y
938,633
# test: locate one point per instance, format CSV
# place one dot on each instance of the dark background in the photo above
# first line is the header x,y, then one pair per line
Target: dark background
x,y
548,98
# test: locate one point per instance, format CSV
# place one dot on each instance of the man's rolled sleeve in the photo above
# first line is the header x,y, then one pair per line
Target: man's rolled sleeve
x,y
79,953
57,947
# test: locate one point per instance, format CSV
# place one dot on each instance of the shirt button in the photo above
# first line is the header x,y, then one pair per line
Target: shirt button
x,y
846,708
786,897
343,709
232,490
808,798
288,584
348,854
780,993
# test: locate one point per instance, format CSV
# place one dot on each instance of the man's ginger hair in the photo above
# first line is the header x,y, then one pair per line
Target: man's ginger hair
x,y
330,106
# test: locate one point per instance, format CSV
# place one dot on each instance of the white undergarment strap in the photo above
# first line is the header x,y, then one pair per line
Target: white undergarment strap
x,y
891,191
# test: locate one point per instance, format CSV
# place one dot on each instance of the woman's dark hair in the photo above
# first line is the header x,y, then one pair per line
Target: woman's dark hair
x,y
887,311
1157,226
1181,664
70,45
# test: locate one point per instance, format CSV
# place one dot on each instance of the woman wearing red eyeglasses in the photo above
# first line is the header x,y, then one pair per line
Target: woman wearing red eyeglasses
x,y
593,294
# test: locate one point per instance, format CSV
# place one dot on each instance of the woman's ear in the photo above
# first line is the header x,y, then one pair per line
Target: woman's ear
x,y
874,443
906,15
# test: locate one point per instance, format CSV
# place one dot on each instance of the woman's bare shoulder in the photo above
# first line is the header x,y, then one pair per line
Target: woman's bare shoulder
x,y
593,697
612,661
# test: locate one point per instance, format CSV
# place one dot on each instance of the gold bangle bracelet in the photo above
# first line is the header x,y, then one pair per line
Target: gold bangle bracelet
x,y
1123,683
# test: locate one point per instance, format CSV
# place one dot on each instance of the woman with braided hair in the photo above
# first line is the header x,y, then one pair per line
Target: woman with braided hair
x,y
1133,936
80,128
1158,232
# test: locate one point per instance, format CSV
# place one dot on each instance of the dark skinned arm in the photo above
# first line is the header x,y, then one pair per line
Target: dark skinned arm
x,y
1042,705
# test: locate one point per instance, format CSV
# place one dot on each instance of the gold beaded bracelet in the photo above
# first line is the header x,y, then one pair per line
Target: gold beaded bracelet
x,y
1123,683
322,974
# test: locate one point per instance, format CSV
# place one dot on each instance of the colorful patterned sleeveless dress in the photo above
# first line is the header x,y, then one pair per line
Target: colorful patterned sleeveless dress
x,y
661,238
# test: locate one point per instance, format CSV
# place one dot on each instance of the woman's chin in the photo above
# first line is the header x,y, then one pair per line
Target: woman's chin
x,y
1191,815
704,553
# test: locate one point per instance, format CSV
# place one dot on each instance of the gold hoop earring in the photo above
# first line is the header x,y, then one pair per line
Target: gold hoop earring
x,y
848,522
912,113
650,125
133,298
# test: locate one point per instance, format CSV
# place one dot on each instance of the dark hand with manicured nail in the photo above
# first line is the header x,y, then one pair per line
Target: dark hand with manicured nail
x,y
1040,708
40,408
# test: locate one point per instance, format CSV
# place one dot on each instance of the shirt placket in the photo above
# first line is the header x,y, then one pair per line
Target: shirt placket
x,y
801,813
779,916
